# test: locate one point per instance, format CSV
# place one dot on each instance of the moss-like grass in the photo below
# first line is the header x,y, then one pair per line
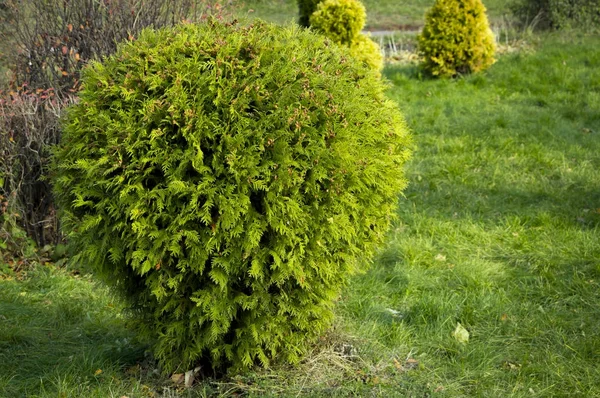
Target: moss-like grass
x,y
499,231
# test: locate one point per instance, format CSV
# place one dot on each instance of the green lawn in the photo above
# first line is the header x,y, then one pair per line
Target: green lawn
x,y
381,14
499,231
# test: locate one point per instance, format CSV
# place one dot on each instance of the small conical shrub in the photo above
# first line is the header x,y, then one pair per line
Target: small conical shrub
x,y
340,20
227,180
305,10
456,38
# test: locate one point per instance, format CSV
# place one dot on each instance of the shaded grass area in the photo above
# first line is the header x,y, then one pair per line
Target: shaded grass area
x,y
499,230
381,14
60,335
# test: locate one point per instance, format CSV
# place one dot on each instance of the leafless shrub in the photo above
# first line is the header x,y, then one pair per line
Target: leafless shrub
x,y
45,44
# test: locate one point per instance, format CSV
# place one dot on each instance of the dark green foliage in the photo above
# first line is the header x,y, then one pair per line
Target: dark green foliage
x,y
305,10
555,14
227,180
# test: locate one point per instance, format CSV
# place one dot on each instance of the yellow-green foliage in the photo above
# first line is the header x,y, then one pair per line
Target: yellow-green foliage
x,y
228,179
366,50
340,20
456,38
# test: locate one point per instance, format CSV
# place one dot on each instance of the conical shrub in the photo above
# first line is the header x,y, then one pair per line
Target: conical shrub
x,y
340,20
227,180
456,38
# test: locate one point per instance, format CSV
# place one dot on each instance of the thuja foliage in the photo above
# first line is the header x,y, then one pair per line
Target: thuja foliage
x,y
342,22
366,50
305,10
227,180
456,38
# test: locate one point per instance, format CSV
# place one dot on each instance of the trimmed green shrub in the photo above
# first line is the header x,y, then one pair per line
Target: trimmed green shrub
x,y
367,51
305,10
556,14
456,38
227,180
340,20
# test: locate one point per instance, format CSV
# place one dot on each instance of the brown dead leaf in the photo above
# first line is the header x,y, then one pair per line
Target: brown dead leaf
x,y
133,369
439,389
411,364
512,365
408,365
178,378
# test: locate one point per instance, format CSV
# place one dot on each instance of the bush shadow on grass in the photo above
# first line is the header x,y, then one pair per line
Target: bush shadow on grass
x,y
59,335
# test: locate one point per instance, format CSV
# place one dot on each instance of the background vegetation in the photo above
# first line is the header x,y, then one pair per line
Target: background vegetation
x,y
381,14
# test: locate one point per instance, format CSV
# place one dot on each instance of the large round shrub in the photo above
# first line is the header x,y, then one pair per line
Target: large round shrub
x,y
227,179
456,38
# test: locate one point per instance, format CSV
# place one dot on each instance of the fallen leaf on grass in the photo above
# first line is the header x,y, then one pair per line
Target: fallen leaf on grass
x,y
178,378
512,365
190,375
461,334
97,372
394,313
410,364
439,389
